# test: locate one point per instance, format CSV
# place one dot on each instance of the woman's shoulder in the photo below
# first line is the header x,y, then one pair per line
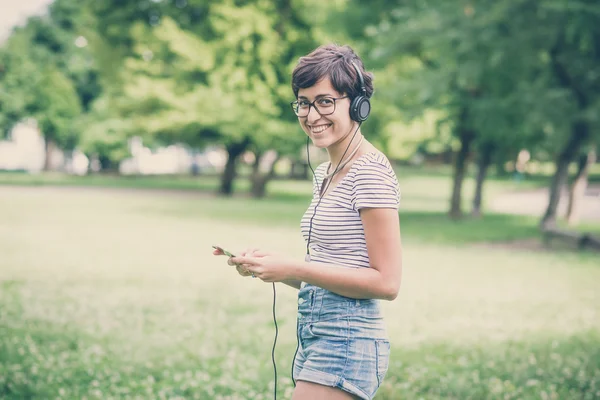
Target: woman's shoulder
x,y
374,182
373,162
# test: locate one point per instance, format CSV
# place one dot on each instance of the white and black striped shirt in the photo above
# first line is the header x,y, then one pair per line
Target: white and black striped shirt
x,y
337,234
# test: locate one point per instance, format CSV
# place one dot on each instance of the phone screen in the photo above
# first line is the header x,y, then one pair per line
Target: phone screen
x,y
228,254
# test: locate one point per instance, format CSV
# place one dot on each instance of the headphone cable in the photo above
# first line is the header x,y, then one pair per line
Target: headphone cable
x,y
327,186
274,343
310,230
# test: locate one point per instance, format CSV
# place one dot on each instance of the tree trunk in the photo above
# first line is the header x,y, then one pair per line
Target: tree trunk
x,y
299,170
579,131
578,187
466,137
578,137
194,169
259,186
256,166
260,178
233,152
106,164
485,159
48,147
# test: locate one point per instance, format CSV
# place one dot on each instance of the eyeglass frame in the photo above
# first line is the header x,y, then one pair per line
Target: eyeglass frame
x,y
313,105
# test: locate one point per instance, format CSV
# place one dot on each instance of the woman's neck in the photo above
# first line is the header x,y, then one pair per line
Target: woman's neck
x,y
344,152
336,152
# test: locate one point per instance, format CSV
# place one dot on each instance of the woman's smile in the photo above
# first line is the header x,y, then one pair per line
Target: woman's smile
x,y
319,129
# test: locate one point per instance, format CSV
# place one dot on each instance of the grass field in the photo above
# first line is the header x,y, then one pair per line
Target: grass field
x,y
114,294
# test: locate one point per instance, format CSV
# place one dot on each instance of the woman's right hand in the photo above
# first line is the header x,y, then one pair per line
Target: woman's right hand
x,y
247,253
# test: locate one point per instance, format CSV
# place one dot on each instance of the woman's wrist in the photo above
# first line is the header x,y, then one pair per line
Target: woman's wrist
x,y
296,270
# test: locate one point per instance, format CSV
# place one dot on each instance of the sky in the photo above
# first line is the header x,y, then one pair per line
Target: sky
x,y
15,12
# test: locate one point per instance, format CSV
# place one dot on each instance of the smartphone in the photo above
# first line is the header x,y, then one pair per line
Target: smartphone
x,y
228,254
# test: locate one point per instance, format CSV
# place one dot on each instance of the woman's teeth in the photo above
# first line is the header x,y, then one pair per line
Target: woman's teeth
x,y
319,129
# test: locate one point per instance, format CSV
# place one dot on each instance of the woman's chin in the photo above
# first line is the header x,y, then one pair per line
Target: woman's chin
x,y
320,144
319,141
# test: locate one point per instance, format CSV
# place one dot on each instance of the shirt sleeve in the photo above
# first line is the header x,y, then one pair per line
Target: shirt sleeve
x,y
375,186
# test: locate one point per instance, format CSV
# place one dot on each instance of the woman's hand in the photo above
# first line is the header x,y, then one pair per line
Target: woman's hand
x,y
242,270
267,267
246,253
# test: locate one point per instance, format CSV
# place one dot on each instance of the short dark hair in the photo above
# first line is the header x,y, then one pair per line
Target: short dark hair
x,y
335,62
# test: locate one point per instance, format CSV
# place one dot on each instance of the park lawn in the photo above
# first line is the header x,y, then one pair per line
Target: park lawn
x,y
178,182
430,179
115,294
425,194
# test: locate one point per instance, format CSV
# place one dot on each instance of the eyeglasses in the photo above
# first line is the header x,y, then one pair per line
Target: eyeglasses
x,y
323,105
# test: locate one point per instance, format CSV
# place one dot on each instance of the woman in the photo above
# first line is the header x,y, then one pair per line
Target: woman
x,y
352,232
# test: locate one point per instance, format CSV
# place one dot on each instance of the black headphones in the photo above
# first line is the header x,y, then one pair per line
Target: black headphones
x,y
360,108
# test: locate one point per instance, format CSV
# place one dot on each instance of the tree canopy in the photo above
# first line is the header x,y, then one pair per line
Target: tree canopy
x,y
475,79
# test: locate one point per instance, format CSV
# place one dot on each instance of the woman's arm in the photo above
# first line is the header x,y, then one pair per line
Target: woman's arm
x,y
384,246
381,281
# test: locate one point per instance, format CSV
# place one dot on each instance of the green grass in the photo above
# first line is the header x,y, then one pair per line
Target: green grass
x,y
111,180
114,294
425,194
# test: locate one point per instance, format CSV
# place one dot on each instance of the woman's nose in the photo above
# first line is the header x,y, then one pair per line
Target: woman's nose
x,y
313,114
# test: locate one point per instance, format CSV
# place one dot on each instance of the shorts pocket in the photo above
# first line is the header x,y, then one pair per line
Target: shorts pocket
x,y
382,354
330,330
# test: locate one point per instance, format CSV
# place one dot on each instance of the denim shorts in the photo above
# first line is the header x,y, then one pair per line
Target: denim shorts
x,y
343,342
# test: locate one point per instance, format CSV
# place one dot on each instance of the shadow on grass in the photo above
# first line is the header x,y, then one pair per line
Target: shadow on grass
x,y
422,226
437,227
286,201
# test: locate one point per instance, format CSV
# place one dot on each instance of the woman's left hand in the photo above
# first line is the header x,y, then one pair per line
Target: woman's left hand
x,y
268,267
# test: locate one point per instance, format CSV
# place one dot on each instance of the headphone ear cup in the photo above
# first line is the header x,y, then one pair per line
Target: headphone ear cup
x,y
360,108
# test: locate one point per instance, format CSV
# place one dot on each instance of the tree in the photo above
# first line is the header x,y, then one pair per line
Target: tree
x,y
33,86
48,74
207,71
104,134
479,62
574,66
462,61
579,185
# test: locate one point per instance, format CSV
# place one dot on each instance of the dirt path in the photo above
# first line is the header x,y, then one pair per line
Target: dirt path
x,y
534,202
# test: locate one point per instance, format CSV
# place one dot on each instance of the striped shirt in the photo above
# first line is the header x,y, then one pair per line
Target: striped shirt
x,y
337,234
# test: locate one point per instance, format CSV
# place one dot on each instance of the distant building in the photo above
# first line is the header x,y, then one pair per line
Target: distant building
x,y
173,159
25,150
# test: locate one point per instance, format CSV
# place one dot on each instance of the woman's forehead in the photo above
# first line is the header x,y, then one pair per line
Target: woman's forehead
x,y
321,88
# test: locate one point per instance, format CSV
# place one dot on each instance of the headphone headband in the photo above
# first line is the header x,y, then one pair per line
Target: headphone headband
x,y
360,78
360,107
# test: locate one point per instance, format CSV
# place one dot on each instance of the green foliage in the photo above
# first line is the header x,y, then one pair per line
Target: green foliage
x,y
494,58
56,108
32,86
47,73
195,79
103,133
17,92
517,73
